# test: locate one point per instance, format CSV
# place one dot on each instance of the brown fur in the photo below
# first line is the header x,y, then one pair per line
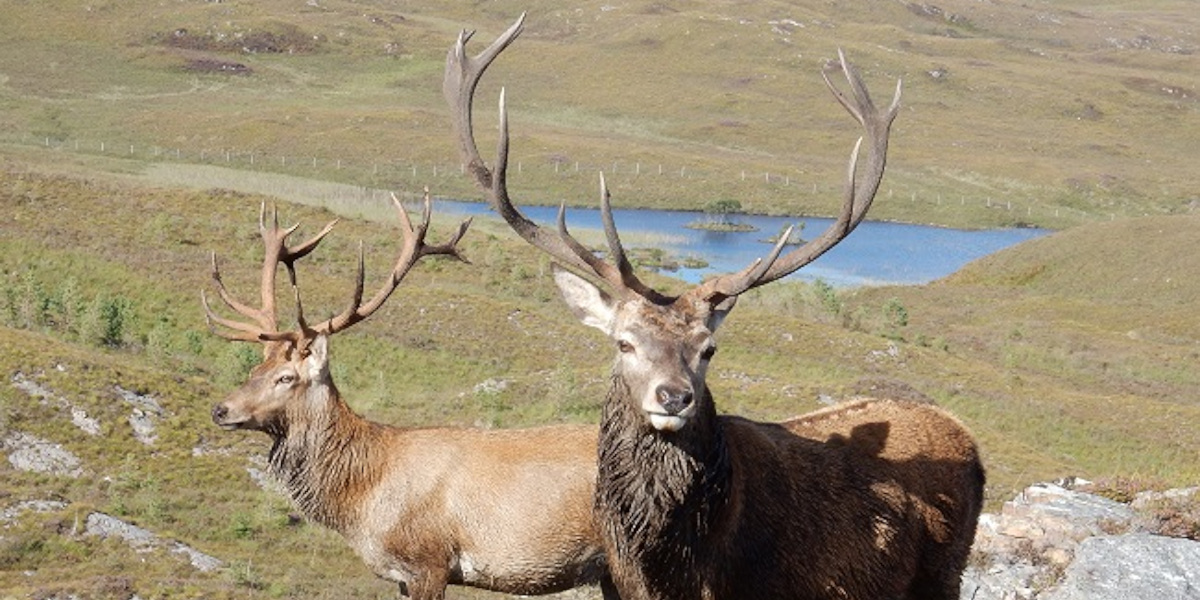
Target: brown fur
x,y
505,510
866,500
875,499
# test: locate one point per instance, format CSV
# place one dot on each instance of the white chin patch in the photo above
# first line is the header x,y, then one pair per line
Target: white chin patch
x,y
667,422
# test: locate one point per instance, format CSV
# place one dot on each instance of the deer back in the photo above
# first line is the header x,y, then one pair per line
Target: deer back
x,y
508,510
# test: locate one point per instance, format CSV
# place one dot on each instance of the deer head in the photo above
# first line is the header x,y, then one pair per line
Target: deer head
x,y
296,362
664,342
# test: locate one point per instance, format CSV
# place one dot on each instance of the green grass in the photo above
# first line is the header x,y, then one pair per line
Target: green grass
x,y
1071,354
1046,115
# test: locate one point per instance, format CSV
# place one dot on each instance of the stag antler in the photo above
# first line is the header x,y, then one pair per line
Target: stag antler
x,y
461,78
275,251
857,199
265,328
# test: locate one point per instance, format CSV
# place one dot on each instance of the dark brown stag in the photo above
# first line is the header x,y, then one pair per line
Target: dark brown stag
x,y
870,500
502,510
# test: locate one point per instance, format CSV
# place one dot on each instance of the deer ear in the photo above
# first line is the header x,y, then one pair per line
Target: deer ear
x,y
589,303
720,311
316,364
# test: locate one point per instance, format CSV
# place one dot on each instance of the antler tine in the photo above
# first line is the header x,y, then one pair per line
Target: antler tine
x,y
412,250
265,320
244,331
857,198
461,77
458,86
626,279
275,251
295,336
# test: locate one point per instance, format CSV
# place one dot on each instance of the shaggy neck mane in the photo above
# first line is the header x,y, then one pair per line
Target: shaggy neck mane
x,y
659,495
323,455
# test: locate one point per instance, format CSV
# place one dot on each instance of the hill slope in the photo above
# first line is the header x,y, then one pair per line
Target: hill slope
x,y
1043,113
1058,368
1093,329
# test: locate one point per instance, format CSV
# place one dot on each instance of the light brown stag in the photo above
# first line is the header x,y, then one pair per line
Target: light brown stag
x,y
505,510
872,500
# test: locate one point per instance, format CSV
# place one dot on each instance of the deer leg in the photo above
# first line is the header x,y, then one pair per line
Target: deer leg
x,y
429,586
608,589
935,587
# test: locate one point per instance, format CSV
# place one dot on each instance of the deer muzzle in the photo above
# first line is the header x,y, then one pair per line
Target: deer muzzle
x,y
221,417
674,407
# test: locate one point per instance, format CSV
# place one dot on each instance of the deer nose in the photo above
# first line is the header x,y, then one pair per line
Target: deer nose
x,y
219,412
673,400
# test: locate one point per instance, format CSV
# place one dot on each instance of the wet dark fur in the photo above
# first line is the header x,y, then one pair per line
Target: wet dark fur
x,y
323,461
746,510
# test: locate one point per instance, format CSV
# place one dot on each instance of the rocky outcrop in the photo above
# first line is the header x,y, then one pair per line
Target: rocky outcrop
x,y
143,540
105,526
1052,542
1134,566
27,452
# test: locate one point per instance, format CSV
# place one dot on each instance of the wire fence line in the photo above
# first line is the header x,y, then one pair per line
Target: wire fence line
x,y
414,169
451,178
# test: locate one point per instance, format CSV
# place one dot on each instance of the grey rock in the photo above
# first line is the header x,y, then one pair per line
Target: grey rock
x,y
11,513
32,388
30,453
143,540
1136,566
1056,543
80,419
144,417
46,396
108,526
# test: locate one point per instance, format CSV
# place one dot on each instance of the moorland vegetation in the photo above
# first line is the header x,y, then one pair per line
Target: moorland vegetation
x,y
1073,354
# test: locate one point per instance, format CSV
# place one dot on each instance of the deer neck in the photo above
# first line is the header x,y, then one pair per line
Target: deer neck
x,y
659,495
325,458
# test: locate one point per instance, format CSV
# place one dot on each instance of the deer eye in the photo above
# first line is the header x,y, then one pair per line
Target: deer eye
x,y
624,346
286,379
708,352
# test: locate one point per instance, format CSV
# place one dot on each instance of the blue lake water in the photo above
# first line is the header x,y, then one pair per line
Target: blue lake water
x,y
876,253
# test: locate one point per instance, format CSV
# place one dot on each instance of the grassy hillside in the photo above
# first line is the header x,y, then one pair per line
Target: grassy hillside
x,y
1042,113
1059,366
1093,339
138,137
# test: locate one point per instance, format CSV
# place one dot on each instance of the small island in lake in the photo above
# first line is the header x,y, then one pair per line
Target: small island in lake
x,y
657,259
719,217
794,238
